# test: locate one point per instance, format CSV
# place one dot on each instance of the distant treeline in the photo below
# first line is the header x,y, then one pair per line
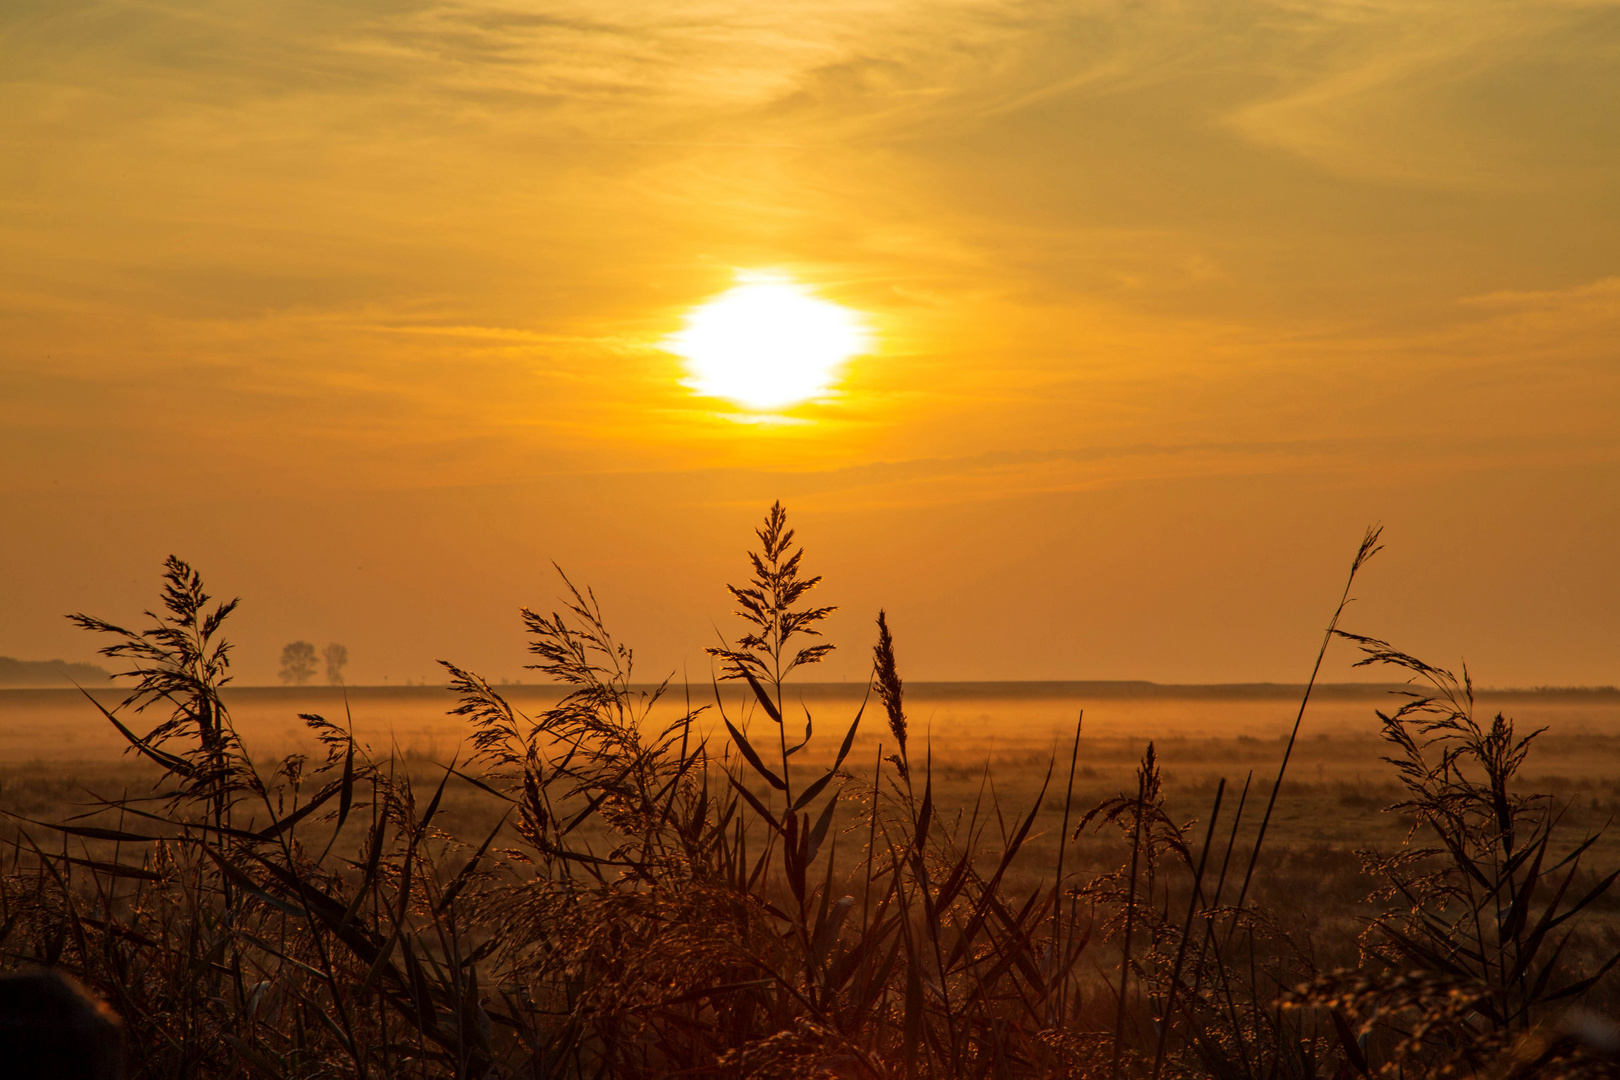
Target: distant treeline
x,y
14,672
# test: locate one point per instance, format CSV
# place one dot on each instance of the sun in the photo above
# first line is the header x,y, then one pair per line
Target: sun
x,y
767,343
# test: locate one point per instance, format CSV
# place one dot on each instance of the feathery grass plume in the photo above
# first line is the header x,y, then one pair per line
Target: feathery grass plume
x,y
1148,785
763,657
1488,897
1143,813
1167,1014
234,943
641,927
767,602
1152,835
652,916
597,739
181,661
1369,547
886,677
1231,1014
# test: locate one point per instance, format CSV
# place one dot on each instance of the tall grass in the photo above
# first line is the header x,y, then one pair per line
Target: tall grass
x,y
660,899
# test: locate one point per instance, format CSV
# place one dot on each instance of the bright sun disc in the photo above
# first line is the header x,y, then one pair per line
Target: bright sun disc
x,y
767,343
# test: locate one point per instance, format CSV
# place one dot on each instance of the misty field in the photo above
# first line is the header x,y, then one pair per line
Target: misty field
x,y
57,746
996,739
767,876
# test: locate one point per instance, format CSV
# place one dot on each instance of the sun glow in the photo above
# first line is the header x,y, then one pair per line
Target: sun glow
x,y
767,343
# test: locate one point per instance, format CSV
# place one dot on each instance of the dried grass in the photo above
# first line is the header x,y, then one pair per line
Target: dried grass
x,y
654,903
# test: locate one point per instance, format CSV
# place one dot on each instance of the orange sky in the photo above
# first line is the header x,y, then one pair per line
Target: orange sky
x,y
355,305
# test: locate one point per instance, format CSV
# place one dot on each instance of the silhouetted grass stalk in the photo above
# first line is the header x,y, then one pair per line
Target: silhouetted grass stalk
x,y
659,901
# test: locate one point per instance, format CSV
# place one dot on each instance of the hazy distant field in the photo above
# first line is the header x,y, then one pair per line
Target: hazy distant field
x,y
988,748
55,741
966,718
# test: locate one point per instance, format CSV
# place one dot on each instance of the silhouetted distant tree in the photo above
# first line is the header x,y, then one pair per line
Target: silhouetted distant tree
x,y
336,656
297,663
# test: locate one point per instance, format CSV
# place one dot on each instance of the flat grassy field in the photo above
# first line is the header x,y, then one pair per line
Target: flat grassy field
x,y
991,746
1000,762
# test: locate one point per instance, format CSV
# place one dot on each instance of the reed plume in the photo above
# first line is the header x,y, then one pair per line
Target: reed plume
x,y
652,897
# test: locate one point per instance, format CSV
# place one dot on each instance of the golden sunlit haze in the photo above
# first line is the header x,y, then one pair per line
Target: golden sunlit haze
x,y
367,310
767,342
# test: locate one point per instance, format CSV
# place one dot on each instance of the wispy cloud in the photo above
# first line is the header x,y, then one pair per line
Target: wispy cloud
x,y
1185,247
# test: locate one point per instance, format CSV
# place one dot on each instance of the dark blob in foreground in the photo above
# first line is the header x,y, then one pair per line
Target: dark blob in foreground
x,y
52,1029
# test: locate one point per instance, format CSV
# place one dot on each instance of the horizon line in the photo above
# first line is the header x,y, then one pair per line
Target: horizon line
x,y
919,687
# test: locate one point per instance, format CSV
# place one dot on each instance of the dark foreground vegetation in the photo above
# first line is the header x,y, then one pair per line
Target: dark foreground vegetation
x,y
680,890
